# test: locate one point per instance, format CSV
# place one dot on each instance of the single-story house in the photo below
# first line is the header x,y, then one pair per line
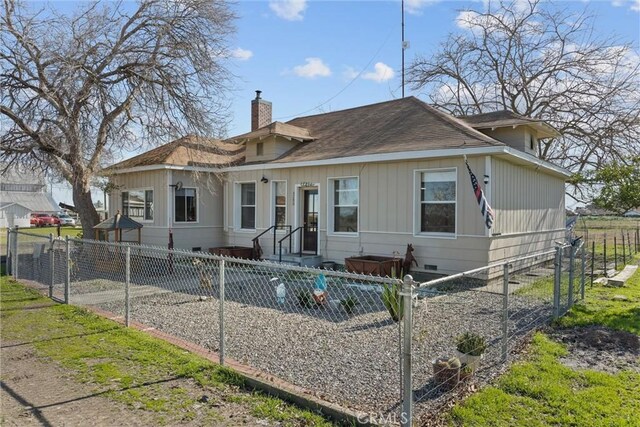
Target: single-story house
x,y
361,181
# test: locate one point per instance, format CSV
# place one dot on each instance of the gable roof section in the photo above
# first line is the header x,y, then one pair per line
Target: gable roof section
x,y
35,202
401,125
190,150
505,118
276,128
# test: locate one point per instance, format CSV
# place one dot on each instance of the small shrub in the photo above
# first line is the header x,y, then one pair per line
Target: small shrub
x,y
349,304
305,299
471,344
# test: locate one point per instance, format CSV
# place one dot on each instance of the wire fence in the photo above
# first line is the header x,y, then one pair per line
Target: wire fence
x,y
383,347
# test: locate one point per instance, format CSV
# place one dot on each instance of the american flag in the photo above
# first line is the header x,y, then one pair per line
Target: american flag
x,y
485,209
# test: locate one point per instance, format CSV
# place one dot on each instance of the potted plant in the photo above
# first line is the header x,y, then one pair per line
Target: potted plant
x,y
446,372
470,349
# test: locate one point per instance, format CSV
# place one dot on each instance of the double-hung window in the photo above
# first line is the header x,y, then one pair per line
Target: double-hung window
x,y
138,204
248,206
346,201
437,201
186,205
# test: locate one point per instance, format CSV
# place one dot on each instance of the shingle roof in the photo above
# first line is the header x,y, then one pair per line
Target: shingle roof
x,y
505,118
276,128
188,151
406,124
118,221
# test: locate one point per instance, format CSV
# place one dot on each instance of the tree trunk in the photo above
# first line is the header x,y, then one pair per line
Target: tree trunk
x,y
84,206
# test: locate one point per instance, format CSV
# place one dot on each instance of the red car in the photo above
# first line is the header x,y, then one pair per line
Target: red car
x,y
35,221
45,220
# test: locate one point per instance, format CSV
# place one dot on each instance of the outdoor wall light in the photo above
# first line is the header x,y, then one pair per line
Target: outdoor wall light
x,y
264,180
486,179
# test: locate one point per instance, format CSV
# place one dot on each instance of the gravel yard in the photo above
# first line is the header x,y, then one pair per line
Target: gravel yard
x,y
350,359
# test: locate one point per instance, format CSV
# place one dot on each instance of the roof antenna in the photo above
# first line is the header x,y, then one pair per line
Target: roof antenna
x,y
405,46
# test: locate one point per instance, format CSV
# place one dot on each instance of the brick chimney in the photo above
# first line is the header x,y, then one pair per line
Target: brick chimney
x,y
260,112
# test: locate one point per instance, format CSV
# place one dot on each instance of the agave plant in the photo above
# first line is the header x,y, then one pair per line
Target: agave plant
x,y
393,301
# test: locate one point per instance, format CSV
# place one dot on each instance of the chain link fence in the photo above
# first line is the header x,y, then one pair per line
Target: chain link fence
x,y
375,345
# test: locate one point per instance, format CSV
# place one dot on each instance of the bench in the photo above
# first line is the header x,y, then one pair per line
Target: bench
x,y
623,276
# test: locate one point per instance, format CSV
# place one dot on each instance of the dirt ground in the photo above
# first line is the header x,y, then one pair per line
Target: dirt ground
x,y
37,392
600,348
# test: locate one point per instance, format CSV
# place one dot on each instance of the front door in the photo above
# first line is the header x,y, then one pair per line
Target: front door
x,y
311,206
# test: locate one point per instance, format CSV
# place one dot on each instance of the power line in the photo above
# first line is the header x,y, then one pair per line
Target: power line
x,y
346,86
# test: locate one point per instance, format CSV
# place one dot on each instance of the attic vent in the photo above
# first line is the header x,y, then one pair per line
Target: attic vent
x,y
260,148
431,267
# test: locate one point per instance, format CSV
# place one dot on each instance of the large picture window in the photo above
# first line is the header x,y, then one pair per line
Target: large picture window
x,y
186,205
438,202
138,204
345,205
248,206
280,204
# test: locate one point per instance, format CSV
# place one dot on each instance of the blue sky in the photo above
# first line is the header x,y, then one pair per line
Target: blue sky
x,y
310,57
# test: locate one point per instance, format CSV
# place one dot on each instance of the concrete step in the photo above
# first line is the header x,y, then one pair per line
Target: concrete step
x,y
295,259
620,278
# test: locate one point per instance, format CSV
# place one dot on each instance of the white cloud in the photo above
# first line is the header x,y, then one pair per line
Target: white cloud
x,y
241,54
291,10
633,4
415,7
381,74
314,67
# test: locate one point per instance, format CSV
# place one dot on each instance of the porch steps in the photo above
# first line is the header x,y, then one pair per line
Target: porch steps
x,y
301,261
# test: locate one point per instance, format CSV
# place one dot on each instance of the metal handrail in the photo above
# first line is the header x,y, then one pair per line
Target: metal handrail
x,y
275,228
287,236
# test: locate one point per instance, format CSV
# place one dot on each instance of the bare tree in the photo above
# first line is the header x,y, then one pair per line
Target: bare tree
x,y
79,88
543,62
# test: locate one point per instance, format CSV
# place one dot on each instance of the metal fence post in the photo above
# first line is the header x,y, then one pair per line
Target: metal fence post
x,y
572,268
127,283
407,384
67,279
221,321
556,282
9,259
16,255
583,271
52,268
505,312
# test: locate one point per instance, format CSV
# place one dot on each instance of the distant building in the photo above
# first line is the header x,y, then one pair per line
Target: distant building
x,y
633,212
593,210
22,192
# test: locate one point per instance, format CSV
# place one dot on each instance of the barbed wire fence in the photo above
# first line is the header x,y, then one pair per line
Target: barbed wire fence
x,y
383,347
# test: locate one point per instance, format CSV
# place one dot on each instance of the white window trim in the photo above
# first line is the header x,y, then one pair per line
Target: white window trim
x,y
272,208
129,190
237,204
331,206
173,204
417,204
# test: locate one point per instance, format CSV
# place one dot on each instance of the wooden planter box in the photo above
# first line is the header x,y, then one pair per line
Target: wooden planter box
x,y
233,251
374,265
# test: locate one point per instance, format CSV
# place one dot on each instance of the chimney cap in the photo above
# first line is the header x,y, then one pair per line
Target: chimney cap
x,y
258,92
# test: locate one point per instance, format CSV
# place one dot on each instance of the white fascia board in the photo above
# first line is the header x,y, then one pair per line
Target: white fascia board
x,y
539,163
369,158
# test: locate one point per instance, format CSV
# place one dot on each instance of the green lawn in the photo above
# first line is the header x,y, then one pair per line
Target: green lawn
x,y
130,365
543,392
